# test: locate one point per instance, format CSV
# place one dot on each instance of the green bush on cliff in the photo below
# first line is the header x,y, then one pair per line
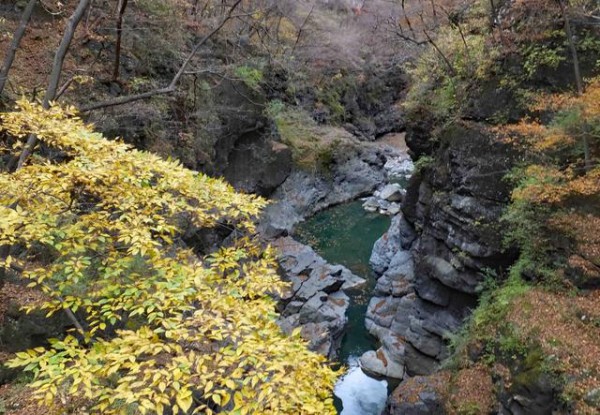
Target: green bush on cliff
x,y
313,147
443,76
252,77
542,55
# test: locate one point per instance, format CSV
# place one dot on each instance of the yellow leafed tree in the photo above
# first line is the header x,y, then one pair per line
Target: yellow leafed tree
x,y
97,226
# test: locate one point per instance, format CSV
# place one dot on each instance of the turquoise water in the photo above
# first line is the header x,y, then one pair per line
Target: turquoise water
x,y
345,235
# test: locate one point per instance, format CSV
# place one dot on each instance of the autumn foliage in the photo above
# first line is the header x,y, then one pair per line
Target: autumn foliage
x,y
98,228
560,190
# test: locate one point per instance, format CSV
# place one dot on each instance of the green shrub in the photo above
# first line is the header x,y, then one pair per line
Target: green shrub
x,y
312,148
469,408
537,56
252,77
443,76
423,162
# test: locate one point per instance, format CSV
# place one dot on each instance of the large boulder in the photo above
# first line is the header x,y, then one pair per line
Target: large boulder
x,y
392,192
379,363
257,164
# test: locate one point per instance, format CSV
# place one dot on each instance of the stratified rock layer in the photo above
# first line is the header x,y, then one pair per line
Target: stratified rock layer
x,y
433,259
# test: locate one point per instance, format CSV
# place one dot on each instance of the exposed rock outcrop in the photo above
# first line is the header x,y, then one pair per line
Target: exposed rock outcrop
x,y
316,301
227,135
420,395
469,391
456,204
305,193
428,284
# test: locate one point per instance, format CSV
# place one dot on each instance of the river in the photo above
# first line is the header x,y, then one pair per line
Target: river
x,y
345,235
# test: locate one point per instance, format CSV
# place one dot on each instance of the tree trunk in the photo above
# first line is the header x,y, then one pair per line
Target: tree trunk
x,y
492,14
574,55
14,44
578,80
121,11
59,59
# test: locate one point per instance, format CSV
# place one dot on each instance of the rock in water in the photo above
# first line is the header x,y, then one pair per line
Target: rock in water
x,y
316,301
361,394
399,167
392,193
381,363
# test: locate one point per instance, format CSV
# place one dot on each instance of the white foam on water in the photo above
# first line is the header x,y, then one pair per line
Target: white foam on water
x,y
359,393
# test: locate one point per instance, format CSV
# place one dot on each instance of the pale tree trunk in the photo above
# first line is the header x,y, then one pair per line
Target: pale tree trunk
x,y
14,44
57,66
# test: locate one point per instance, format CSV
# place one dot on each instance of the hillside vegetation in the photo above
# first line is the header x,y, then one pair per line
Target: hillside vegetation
x,y
155,288
527,73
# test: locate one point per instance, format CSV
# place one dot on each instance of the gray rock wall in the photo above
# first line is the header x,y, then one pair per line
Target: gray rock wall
x,y
435,255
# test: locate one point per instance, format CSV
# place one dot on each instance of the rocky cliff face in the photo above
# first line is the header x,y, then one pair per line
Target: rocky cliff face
x,y
436,254
226,134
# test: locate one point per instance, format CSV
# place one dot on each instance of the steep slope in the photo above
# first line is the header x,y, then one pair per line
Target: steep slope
x,y
464,116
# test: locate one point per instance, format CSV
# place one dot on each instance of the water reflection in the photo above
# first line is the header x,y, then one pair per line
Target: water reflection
x,y
359,393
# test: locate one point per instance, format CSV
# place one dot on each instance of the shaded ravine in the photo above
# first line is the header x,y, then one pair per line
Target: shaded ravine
x,y
345,235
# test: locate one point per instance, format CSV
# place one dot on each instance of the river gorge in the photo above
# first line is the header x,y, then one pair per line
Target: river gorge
x,y
345,234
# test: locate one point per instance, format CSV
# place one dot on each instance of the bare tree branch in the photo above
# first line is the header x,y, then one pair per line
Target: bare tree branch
x,y
14,44
57,66
302,28
171,87
64,87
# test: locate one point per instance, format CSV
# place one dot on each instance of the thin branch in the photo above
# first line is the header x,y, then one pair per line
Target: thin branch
x,y
14,44
64,87
73,319
409,39
454,21
57,66
171,87
302,28
442,55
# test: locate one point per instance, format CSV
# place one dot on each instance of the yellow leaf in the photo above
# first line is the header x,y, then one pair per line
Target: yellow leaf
x,y
184,399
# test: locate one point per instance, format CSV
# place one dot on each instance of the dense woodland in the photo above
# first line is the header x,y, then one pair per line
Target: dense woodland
x,y
120,232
